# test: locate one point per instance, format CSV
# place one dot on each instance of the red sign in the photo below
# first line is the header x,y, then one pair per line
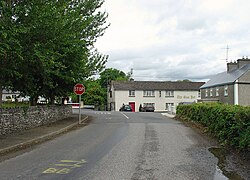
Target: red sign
x,y
79,89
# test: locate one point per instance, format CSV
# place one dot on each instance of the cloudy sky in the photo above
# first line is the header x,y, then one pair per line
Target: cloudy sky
x,y
175,39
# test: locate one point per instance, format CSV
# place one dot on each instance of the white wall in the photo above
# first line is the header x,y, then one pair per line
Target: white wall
x,y
122,97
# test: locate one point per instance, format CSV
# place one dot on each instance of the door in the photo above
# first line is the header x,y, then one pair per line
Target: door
x,y
132,104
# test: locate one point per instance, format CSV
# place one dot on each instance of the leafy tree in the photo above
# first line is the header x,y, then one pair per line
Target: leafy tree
x,y
110,74
94,94
184,80
10,48
57,46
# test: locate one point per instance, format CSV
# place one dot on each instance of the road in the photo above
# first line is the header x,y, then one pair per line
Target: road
x,y
119,146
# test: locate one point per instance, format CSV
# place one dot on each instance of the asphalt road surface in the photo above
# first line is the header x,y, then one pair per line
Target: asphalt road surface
x,y
119,146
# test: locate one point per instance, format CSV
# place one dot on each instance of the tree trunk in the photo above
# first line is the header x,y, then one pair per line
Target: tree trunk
x,y
33,101
52,100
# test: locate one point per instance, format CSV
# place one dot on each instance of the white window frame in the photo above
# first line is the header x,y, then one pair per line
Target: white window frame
x,y
217,92
226,90
169,106
131,93
206,93
169,93
149,93
211,92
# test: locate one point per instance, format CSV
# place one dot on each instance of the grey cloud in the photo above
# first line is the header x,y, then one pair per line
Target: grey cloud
x,y
190,50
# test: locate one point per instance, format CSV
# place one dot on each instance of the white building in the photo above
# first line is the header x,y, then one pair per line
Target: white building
x,y
165,96
8,95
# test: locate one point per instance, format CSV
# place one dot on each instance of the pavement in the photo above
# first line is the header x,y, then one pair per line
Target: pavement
x,y
17,141
21,140
168,115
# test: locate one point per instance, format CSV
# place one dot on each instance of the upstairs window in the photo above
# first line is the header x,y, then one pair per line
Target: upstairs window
x,y
149,93
225,90
131,93
169,93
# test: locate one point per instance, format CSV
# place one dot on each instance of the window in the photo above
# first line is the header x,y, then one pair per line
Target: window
x,y
169,106
131,93
225,90
199,93
206,93
148,93
159,93
217,91
169,93
211,92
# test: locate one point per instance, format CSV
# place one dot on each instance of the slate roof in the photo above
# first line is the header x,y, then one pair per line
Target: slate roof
x,y
156,85
226,77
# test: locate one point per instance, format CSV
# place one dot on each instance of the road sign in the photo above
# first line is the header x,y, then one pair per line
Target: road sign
x,y
79,89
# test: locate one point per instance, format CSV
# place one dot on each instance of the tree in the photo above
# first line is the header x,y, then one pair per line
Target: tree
x,y
57,46
110,74
184,80
94,94
10,48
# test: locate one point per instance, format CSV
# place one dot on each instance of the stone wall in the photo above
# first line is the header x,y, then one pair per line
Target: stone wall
x,y
18,119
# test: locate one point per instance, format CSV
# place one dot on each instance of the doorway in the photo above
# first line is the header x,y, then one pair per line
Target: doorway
x,y
132,104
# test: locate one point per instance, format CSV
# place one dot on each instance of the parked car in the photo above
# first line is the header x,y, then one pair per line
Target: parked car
x,y
125,108
148,108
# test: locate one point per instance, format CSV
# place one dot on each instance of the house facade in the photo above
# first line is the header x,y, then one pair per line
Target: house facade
x,y
164,96
8,95
231,86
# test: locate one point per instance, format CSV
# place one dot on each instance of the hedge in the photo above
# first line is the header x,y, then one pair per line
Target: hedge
x,y
230,123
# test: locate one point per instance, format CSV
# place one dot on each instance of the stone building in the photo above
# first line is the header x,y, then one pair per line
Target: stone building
x,y
231,86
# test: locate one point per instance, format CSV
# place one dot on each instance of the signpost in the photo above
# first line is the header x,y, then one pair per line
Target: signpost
x,y
79,89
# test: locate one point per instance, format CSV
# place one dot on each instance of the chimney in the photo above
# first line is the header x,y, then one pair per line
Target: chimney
x,y
231,66
242,62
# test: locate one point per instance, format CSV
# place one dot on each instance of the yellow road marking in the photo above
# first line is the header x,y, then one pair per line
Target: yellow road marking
x,y
68,163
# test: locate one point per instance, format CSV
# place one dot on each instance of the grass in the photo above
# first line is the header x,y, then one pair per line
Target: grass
x,y
14,104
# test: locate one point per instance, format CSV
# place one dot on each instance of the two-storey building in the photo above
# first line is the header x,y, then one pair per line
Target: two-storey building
x,y
164,96
231,86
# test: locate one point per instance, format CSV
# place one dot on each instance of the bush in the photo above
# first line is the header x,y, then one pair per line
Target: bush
x,y
230,123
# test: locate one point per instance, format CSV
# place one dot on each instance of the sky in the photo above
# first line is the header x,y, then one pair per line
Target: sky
x,y
163,40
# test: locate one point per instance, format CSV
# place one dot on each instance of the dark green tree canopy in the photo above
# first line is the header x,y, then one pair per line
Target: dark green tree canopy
x,y
94,94
48,46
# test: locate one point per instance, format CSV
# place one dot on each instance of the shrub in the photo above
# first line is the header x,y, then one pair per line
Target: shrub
x,y
230,123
